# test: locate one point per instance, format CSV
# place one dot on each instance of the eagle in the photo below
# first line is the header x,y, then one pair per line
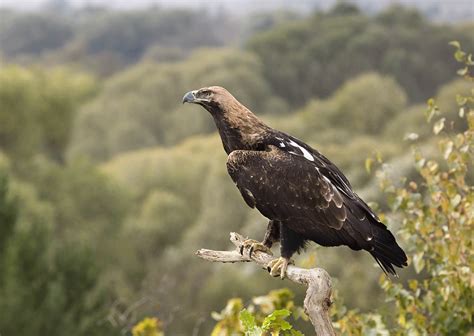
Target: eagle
x,y
303,194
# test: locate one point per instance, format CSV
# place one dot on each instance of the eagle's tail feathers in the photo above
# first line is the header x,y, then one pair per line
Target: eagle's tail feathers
x,y
386,251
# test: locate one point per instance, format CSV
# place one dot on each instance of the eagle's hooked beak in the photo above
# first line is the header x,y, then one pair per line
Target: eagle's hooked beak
x,y
190,97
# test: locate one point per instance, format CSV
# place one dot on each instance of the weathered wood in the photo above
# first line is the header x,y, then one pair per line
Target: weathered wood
x,y
318,281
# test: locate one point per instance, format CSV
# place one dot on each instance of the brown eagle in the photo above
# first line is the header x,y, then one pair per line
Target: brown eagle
x,y
303,194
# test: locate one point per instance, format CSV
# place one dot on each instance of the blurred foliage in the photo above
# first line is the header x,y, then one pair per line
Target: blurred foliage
x,y
37,109
46,288
32,33
148,327
273,324
266,315
139,108
130,33
264,21
106,40
313,57
86,202
369,113
114,184
437,222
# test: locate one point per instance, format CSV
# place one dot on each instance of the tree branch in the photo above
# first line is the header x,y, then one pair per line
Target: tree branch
x,y
318,281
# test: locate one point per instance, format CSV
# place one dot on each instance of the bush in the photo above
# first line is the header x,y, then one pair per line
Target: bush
x,y
437,223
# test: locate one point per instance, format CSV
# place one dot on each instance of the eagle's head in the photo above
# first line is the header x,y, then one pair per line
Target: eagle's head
x,y
212,98
238,127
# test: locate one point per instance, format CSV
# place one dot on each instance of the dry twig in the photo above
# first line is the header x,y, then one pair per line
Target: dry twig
x,y
318,281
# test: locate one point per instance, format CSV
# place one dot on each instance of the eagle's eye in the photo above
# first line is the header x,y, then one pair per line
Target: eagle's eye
x,y
205,94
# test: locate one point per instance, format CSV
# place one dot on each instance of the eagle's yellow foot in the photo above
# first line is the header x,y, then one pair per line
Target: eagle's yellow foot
x,y
253,246
279,266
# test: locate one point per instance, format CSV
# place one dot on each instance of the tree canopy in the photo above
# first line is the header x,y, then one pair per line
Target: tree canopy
x,y
108,184
313,57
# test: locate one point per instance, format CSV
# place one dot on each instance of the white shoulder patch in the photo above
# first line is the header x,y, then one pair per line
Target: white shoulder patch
x,y
303,150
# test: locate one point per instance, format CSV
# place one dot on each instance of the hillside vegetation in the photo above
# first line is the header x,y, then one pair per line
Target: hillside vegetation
x,y
108,184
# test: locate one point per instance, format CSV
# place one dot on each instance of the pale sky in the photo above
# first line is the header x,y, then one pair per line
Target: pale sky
x,y
438,9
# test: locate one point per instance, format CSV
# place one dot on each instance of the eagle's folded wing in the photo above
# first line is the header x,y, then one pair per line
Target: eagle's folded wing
x,y
295,191
287,187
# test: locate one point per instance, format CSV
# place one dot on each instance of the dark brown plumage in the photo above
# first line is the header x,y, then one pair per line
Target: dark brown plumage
x,y
303,194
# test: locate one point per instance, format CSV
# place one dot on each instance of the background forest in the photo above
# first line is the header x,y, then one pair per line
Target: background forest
x,y
108,184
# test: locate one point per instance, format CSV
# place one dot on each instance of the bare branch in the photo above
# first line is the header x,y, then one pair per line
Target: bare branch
x,y
318,281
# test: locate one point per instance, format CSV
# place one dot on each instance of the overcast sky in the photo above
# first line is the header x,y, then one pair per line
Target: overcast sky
x,y
438,9
34,4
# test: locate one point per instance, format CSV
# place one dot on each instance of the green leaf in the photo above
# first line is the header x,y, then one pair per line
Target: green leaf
x,y
275,321
249,323
368,164
456,200
401,320
461,100
463,71
216,316
455,44
410,137
378,156
448,149
469,60
247,319
460,56
420,163
470,120
432,109
439,125
418,262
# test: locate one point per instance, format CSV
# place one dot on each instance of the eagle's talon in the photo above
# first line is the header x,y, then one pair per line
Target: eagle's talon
x,y
279,266
254,246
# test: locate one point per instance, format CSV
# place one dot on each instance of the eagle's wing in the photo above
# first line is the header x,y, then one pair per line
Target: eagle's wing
x,y
327,169
292,189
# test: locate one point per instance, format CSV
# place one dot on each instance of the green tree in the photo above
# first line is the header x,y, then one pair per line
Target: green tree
x,y
312,57
33,33
130,33
368,113
8,212
139,108
37,108
85,206
45,288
